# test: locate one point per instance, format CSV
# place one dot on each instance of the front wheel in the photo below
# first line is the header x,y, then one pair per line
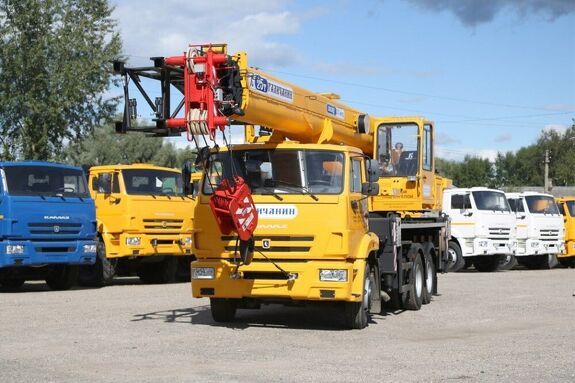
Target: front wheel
x,y
101,272
567,261
357,313
62,277
223,310
506,262
12,283
487,263
456,260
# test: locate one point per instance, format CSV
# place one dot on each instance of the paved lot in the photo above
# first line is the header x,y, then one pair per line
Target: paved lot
x,y
506,326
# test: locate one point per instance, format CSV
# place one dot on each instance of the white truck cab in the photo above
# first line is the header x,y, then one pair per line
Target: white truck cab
x,y
540,229
482,227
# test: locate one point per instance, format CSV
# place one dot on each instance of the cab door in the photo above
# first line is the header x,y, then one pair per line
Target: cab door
x,y
358,203
427,172
107,195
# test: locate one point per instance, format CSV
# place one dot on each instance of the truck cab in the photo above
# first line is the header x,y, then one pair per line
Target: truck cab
x,y
47,223
540,230
482,227
144,224
567,208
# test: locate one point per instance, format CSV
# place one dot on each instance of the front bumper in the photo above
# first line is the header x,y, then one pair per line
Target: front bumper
x,y
537,247
150,245
487,246
37,253
255,281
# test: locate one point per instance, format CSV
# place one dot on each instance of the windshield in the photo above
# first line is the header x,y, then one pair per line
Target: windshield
x,y
541,204
397,149
490,200
279,170
45,181
152,182
571,207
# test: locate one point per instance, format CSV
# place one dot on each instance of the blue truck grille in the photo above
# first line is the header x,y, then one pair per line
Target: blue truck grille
x,y
54,228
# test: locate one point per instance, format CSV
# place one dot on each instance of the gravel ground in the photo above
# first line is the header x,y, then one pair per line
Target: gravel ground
x,y
506,326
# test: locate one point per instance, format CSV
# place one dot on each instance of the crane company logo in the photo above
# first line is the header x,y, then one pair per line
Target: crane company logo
x,y
276,211
56,217
271,88
335,111
56,229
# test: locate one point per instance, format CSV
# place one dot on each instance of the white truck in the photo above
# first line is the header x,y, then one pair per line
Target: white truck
x,y
540,230
482,227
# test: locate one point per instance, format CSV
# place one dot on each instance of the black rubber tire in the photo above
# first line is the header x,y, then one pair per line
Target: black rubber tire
x,y
100,273
223,310
542,262
455,251
62,277
159,272
183,272
506,262
414,295
12,283
487,263
567,261
430,279
357,313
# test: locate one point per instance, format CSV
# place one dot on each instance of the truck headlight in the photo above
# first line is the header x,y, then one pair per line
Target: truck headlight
x,y
187,241
133,241
15,249
203,273
330,275
482,243
535,244
89,248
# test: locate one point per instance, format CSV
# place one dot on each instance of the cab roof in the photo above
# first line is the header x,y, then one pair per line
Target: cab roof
x,y
527,193
6,164
103,168
472,189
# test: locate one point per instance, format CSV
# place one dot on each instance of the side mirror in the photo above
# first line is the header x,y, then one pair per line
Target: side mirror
x,y
372,170
521,216
187,178
370,188
467,213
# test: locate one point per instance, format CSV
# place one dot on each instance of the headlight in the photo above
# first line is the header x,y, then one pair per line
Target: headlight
x,y
534,244
203,273
482,243
187,241
15,249
89,248
329,275
133,241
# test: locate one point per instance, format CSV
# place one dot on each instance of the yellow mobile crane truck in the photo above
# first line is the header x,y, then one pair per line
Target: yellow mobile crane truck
x,y
144,216
339,206
567,208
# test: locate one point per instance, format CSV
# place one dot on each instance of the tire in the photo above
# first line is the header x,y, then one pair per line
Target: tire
x,y
456,260
487,263
223,310
506,262
62,277
159,272
414,295
430,279
12,283
357,313
183,273
100,273
567,261
542,262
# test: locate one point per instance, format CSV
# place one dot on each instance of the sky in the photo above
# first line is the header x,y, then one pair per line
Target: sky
x,y
491,74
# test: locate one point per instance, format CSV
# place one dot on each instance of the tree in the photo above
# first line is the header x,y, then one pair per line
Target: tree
x,y
472,171
54,71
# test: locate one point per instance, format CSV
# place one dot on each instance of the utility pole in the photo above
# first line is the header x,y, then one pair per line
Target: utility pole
x,y
546,185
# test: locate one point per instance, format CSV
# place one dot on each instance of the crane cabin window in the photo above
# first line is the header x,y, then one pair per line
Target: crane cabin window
x,y
277,171
398,150
152,182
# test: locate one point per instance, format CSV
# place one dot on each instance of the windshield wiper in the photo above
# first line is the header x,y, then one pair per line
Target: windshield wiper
x,y
273,193
302,188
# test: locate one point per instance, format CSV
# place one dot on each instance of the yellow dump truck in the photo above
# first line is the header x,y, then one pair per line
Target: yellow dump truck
x,y
145,224
567,208
348,205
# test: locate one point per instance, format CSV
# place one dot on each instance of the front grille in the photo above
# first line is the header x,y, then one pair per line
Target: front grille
x,y
549,234
163,224
272,243
54,249
54,228
499,232
272,275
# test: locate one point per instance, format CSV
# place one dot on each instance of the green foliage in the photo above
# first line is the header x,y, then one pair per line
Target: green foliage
x,y
54,71
105,147
522,168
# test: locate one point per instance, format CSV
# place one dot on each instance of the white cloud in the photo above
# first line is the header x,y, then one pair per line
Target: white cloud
x,y
460,153
151,28
559,128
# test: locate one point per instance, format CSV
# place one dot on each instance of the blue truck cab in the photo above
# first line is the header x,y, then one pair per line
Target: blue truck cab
x,y
47,224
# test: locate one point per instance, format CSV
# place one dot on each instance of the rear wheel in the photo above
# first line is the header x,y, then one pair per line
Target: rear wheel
x,y
487,263
159,272
62,277
357,313
223,310
456,261
430,279
414,295
101,272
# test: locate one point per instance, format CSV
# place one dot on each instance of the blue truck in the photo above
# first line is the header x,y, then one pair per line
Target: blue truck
x,y
47,224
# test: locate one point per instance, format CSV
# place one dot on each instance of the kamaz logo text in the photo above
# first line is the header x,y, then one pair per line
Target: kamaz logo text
x,y
56,217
